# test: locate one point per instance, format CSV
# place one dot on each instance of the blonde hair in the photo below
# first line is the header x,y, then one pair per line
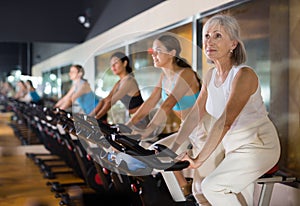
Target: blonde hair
x,y
232,28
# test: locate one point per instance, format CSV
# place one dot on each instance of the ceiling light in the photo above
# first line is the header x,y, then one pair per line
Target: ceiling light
x,y
87,24
81,19
84,20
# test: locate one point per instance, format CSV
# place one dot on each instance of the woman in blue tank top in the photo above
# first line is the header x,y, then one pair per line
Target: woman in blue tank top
x,y
34,96
80,92
29,93
178,87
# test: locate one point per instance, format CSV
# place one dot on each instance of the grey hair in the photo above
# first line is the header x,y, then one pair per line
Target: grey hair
x,y
232,28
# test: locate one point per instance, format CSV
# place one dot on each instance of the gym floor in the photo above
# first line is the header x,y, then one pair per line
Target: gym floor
x,y
21,182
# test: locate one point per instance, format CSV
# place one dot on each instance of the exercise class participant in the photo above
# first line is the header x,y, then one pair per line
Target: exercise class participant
x,y
126,89
231,94
80,92
178,87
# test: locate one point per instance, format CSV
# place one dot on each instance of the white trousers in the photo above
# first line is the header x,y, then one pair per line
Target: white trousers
x,y
197,138
242,166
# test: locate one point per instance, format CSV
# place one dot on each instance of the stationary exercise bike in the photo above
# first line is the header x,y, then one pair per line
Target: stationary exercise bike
x,y
153,178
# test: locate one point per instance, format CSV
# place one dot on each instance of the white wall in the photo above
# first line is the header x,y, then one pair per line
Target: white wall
x,y
160,16
43,51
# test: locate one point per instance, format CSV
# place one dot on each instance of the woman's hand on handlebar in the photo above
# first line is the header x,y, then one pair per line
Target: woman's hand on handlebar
x,y
141,132
146,133
185,157
129,124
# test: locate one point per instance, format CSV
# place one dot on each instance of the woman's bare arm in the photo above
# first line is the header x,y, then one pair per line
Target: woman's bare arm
x,y
104,104
183,86
147,106
83,89
244,85
65,102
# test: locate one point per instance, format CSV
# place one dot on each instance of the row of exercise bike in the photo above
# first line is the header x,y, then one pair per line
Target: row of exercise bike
x,y
110,164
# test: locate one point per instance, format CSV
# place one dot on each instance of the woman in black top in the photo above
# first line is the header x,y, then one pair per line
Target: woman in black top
x,y
126,89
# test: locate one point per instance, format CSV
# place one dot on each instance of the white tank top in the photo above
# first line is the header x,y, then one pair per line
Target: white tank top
x,y
218,97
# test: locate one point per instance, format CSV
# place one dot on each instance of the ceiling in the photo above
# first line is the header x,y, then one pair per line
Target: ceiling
x,y
57,20
27,22
41,21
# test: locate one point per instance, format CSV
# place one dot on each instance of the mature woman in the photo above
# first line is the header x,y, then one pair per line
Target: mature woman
x,y
231,94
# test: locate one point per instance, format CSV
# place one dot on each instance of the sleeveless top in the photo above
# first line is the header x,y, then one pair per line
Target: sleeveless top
x,y
34,96
218,97
131,102
185,102
87,101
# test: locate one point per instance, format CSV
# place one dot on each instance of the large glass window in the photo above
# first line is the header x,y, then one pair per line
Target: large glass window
x,y
50,84
56,83
64,81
